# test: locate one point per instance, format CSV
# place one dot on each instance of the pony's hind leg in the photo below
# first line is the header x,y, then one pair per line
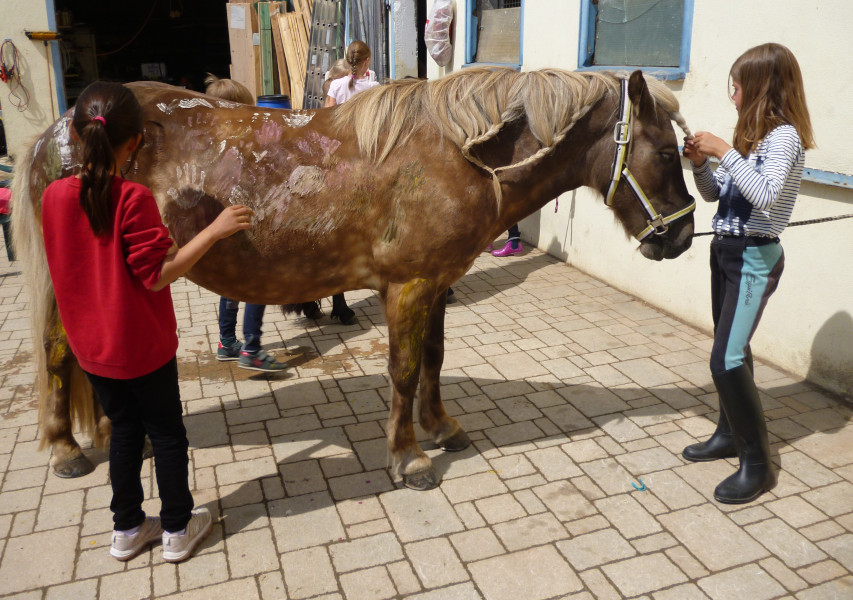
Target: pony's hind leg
x,y
56,410
444,430
406,309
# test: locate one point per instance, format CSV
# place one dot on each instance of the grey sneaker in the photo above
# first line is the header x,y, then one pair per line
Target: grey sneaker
x,y
178,547
260,361
230,352
125,547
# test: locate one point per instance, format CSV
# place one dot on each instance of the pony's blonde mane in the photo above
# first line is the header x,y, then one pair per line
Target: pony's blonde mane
x,y
471,106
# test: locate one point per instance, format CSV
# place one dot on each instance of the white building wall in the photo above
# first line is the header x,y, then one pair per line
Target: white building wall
x,y
807,328
36,71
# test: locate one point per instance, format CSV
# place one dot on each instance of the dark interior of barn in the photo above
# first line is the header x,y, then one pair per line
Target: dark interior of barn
x,y
175,41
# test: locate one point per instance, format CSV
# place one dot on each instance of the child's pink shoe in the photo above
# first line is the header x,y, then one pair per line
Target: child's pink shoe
x,y
508,250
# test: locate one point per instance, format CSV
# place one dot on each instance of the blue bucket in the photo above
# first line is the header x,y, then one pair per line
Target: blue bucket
x,y
274,101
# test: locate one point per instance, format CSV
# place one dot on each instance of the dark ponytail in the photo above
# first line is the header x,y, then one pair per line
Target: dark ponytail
x,y
106,116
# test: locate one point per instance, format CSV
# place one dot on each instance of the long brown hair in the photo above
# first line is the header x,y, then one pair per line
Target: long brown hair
x,y
357,53
772,94
106,116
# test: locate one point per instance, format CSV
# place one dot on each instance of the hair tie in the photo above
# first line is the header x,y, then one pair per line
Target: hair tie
x,y
102,120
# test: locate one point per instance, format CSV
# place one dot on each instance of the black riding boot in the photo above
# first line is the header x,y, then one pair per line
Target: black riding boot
x,y
341,311
739,399
721,444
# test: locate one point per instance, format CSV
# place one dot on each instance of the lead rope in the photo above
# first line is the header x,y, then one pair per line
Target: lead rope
x,y
794,224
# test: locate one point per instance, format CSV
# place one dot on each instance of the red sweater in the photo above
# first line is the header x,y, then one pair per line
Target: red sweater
x,y
117,327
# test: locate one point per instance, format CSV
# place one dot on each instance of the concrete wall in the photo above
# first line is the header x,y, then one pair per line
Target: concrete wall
x,y
37,75
807,328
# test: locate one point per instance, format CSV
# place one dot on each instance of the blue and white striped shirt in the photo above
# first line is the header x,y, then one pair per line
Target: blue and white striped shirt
x,y
756,193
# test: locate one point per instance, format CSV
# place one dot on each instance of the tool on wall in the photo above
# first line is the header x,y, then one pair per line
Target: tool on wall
x,y
11,75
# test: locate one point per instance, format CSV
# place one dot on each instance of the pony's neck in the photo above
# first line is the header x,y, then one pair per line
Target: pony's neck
x,y
581,159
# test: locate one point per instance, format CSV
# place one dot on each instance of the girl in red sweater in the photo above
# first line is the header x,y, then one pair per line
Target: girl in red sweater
x,y
111,261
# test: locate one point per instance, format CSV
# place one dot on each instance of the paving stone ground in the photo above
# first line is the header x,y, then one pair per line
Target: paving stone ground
x,y
572,391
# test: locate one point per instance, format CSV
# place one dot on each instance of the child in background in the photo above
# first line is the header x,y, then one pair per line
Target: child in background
x,y
249,355
360,76
338,70
755,185
111,261
357,66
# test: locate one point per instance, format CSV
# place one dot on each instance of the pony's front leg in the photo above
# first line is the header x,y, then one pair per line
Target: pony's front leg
x,y
407,310
55,410
444,430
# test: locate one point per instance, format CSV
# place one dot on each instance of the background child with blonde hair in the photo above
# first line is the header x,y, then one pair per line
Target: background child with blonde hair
x,y
249,355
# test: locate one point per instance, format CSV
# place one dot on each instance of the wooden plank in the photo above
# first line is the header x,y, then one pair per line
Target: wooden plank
x,y
266,47
281,59
256,54
289,44
240,40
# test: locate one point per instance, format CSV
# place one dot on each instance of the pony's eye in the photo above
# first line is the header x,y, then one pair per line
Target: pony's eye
x,y
666,156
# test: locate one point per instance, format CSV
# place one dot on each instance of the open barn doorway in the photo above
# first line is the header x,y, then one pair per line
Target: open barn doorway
x,y
173,41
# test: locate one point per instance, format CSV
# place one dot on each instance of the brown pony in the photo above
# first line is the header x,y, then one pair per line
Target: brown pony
x,y
398,190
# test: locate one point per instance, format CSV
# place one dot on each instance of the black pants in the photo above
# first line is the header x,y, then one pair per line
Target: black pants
x,y
149,404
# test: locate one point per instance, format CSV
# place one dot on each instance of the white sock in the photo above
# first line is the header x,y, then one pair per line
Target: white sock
x,y
129,532
173,533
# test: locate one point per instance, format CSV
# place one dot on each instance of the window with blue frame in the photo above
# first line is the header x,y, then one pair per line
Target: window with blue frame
x,y
653,35
494,32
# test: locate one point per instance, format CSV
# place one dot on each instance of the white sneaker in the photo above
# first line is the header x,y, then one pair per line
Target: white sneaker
x,y
178,547
125,547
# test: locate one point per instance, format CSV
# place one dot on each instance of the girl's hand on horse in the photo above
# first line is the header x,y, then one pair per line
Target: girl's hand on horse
x,y
707,144
231,220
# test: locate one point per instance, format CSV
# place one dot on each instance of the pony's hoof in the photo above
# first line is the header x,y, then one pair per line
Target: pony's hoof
x,y
456,442
346,316
312,310
75,467
147,449
422,480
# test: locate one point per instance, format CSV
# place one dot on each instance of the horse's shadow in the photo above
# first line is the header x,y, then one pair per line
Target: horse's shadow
x,y
317,468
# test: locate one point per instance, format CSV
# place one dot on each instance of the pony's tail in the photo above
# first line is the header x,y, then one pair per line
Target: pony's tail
x,y
29,247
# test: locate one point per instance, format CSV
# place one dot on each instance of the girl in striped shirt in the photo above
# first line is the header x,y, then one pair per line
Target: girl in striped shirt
x,y
755,185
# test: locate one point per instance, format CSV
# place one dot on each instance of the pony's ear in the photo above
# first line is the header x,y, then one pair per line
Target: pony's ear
x,y
639,94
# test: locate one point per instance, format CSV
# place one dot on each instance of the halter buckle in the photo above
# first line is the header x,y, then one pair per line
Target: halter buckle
x,y
622,132
659,224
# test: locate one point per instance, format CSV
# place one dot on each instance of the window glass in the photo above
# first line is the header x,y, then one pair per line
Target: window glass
x,y
495,31
653,35
643,33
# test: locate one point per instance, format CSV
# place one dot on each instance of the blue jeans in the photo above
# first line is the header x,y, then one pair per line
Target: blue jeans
x,y
253,317
514,235
149,404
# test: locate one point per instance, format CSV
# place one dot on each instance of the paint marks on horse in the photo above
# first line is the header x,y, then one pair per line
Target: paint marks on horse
x,y
297,119
183,103
269,134
306,180
189,189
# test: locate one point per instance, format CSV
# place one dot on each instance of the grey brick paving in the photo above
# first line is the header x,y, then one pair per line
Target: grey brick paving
x,y
571,391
